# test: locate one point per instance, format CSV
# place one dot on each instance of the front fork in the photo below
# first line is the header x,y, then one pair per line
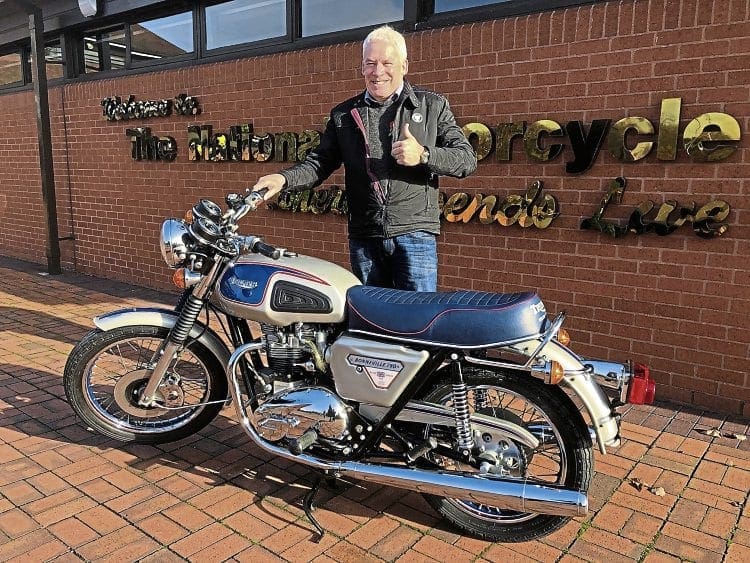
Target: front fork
x,y
175,342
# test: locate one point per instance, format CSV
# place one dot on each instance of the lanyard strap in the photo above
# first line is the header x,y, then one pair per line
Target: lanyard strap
x,y
377,186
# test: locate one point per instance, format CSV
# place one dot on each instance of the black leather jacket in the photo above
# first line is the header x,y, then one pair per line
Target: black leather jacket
x,y
412,196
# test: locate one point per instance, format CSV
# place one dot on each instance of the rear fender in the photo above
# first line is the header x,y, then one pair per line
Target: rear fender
x,y
165,318
582,382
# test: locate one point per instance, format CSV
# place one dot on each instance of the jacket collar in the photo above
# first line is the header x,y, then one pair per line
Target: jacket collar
x,y
407,96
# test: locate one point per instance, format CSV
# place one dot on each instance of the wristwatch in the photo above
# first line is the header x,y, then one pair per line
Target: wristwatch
x,y
425,156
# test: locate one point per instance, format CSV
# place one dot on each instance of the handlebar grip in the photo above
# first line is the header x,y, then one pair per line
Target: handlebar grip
x,y
253,199
266,250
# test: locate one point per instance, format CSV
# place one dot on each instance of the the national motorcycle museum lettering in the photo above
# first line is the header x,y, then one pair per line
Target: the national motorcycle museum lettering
x,y
709,137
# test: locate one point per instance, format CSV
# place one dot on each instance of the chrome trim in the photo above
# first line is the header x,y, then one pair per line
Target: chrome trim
x,y
548,335
580,380
154,316
612,375
507,494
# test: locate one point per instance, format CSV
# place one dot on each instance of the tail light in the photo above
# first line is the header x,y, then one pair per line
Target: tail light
x,y
642,388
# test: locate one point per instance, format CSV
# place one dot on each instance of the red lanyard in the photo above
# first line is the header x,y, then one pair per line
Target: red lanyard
x,y
379,191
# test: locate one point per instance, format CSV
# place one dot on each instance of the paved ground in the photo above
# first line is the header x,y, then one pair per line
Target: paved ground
x,y
69,495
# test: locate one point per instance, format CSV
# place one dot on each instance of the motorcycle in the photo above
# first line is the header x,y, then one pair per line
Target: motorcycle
x,y
466,397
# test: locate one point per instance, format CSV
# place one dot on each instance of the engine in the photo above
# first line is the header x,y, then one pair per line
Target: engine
x,y
294,354
299,408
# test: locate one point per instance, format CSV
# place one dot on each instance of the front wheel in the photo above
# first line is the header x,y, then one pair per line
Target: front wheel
x,y
106,372
563,456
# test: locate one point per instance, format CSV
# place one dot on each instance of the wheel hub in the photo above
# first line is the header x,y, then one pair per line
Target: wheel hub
x,y
128,391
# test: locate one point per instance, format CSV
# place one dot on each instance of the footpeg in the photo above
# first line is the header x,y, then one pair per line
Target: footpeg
x,y
419,450
299,445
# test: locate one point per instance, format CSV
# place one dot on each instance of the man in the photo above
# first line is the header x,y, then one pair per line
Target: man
x,y
394,139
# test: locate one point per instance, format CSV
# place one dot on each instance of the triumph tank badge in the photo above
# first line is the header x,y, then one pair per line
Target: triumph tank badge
x,y
417,117
244,284
381,372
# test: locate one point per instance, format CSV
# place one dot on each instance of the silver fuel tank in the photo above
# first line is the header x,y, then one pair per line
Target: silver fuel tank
x,y
288,290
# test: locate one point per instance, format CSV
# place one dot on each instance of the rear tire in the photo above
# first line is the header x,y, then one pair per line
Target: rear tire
x,y
105,371
565,458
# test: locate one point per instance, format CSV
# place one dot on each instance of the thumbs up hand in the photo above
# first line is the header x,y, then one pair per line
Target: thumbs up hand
x,y
407,149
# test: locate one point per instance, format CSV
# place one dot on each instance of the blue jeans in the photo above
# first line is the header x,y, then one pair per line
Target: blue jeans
x,y
402,262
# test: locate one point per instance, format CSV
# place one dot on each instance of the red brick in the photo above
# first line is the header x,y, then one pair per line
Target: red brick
x,y
199,540
395,543
15,523
73,532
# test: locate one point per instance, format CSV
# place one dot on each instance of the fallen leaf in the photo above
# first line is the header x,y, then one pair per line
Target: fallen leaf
x,y
637,483
736,503
713,432
658,491
740,437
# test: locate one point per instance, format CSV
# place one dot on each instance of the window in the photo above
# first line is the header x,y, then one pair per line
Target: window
x,y
53,60
104,50
450,5
244,21
161,38
326,16
11,71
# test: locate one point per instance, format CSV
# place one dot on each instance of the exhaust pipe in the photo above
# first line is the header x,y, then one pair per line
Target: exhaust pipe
x,y
503,493
506,494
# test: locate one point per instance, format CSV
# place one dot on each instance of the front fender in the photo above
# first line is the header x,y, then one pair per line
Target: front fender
x,y
152,316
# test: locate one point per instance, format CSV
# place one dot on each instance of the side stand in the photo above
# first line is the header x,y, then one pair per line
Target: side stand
x,y
307,504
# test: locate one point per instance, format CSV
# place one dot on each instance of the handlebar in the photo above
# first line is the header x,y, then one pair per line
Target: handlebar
x,y
256,244
253,199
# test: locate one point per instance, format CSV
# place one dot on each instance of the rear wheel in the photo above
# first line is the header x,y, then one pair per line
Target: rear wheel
x,y
563,457
107,371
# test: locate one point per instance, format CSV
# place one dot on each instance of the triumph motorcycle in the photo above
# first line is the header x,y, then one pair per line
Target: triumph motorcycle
x,y
473,399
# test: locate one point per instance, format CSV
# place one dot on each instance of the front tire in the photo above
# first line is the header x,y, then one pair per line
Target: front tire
x,y
564,456
106,370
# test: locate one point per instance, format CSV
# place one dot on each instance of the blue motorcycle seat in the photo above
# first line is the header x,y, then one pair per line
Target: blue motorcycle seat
x,y
465,319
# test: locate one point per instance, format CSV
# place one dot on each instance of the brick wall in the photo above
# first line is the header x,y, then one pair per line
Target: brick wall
x,y
678,302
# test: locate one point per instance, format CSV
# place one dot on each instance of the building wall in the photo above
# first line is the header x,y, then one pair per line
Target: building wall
x,y
678,302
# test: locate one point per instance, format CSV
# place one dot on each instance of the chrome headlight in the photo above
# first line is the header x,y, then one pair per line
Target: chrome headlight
x,y
174,237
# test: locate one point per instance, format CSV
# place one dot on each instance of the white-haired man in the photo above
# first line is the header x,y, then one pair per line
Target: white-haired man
x,y
394,139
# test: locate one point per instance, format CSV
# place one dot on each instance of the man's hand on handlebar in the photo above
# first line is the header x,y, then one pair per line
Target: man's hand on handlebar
x,y
274,183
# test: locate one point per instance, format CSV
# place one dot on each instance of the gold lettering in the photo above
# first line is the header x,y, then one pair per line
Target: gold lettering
x,y
285,147
480,137
308,140
706,137
617,139
532,140
504,135
669,124
261,147
455,206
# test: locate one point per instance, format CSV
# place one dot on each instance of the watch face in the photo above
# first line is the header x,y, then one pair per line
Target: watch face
x,y
88,7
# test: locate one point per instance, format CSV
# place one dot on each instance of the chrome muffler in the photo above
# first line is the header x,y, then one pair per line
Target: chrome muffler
x,y
507,494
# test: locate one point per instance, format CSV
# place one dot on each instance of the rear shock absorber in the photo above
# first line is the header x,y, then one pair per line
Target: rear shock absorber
x,y
460,398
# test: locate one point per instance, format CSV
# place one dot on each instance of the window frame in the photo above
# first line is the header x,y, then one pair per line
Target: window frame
x,y
428,19
192,55
418,15
288,38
